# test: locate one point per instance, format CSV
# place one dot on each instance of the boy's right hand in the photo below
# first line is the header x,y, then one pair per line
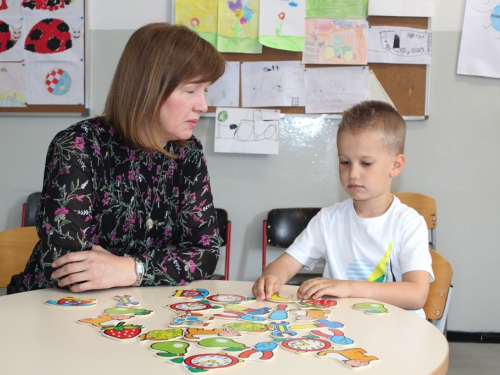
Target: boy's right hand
x,y
266,286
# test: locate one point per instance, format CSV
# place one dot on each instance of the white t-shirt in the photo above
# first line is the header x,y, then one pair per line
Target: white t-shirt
x,y
379,249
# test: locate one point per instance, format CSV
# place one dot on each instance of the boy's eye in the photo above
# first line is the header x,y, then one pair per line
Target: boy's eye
x,y
345,162
367,164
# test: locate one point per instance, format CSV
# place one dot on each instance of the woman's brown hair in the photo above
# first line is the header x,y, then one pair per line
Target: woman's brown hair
x,y
157,58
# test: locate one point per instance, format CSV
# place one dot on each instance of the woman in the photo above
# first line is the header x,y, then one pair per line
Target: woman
x,y
126,197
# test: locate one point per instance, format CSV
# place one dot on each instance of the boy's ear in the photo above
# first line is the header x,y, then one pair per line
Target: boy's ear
x,y
398,165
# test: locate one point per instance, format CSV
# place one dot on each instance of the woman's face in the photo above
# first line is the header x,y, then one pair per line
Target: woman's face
x,y
180,113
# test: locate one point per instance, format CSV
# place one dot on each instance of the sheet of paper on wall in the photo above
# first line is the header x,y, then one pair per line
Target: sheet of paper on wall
x,y
336,41
401,8
247,130
238,26
272,84
199,16
282,24
225,92
54,39
58,82
332,90
399,45
11,38
336,9
54,8
377,91
12,84
480,45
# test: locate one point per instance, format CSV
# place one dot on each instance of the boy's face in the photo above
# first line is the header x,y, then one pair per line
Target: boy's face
x,y
366,169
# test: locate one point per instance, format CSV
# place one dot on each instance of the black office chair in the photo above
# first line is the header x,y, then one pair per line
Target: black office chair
x,y
29,209
225,232
281,228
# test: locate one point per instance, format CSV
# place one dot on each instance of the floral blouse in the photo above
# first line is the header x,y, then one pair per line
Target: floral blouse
x,y
98,191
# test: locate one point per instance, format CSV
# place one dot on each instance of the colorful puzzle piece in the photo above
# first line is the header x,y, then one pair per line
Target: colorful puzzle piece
x,y
334,335
263,351
127,311
222,343
104,320
207,361
301,345
169,349
196,334
225,299
125,301
317,304
72,302
193,306
353,358
244,313
278,299
195,293
280,313
186,319
310,315
281,330
122,331
371,308
162,334
248,327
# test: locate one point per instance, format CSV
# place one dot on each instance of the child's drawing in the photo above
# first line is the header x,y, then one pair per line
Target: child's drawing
x,y
401,8
336,9
332,90
51,7
225,92
479,48
11,33
399,45
272,83
353,358
335,41
200,16
244,130
238,26
12,84
282,24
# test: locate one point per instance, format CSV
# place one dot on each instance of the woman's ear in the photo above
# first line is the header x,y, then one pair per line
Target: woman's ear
x,y
398,164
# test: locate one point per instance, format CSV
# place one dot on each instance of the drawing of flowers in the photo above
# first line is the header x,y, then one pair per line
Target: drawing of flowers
x,y
281,16
242,12
195,24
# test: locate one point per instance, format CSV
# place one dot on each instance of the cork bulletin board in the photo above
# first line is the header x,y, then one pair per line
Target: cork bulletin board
x,y
405,84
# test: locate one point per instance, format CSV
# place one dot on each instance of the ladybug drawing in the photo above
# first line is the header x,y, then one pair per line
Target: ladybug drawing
x,y
50,35
9,35
50,5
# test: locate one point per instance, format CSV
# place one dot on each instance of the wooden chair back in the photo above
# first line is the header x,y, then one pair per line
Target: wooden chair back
x,y
16,246
435,306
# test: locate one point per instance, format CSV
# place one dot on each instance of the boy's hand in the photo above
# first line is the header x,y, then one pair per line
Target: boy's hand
x,y
320,286
266,286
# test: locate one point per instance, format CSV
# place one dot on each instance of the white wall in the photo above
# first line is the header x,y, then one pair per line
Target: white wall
x,y
453,157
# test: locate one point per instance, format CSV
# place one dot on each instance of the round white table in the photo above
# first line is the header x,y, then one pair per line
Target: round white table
x,y
40,339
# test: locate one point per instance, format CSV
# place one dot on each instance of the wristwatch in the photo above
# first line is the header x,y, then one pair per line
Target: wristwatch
x,y
139,270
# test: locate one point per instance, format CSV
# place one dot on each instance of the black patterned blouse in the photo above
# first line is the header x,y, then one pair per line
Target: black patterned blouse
x,y
98,191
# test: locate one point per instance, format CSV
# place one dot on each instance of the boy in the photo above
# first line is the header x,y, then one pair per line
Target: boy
x,y
374,246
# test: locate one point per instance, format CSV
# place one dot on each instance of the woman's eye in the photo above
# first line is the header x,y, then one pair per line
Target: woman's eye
x,y
367,164
344,163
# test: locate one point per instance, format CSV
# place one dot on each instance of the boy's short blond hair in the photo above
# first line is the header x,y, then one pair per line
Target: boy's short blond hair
x,y
378,117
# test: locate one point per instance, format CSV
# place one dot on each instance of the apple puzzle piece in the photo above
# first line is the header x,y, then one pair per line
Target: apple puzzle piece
x,y
371,308
169,349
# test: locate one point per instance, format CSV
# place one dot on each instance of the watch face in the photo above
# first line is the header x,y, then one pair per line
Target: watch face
x,y
306,344
208,361
190,306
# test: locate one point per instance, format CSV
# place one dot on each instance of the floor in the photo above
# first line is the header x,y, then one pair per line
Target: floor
x,y
465,358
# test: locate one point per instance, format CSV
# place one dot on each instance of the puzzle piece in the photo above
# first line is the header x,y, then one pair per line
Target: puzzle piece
x,y
310,315
278,299
302,345
334,335
225,299
353,358
195,293
125,301
244,313
162,334
371,308
122,331
280,313
317,304
196,334
207,361
222,343
281,330
99,321
185,319
127,311
169,349
263,351
72,302
249,327
193,306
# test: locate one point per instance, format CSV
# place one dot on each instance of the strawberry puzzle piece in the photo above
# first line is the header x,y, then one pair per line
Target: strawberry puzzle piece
x,y
50,35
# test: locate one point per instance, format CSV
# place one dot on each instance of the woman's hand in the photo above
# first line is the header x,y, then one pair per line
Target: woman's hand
x,y
94,269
